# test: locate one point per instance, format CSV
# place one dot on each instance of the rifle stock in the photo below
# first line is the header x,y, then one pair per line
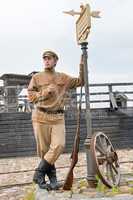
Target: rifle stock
x,y
69,180
74,156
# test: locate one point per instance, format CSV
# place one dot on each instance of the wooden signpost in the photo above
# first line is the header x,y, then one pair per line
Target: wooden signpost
x,y
83,25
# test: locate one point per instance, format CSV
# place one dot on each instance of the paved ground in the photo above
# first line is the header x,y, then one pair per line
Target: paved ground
x,y
8,166
42,195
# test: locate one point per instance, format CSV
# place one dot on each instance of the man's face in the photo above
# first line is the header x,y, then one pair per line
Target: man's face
x,y
49,62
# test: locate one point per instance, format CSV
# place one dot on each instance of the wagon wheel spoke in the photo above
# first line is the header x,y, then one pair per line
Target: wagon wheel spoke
x,y
103,168
108,171
114,168
109,148
112,174
100,149
105,145
101,142
102,157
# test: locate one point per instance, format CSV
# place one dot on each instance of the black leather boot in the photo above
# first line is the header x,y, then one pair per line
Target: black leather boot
x,y
40,172
54,185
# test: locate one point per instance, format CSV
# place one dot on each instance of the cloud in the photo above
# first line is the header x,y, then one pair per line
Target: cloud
x,y
28,27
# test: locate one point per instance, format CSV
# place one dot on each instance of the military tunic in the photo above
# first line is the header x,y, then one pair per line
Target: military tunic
x,y
47,91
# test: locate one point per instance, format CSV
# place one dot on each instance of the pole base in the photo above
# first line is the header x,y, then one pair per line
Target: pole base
x,y
87,143
92,183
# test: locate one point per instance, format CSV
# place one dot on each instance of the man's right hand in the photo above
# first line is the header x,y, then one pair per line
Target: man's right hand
x,y
51,89
48,91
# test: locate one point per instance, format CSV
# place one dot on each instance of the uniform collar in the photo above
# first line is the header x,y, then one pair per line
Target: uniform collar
x,y
52,70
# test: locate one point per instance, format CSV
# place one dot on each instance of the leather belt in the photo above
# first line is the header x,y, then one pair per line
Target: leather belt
x,y
50,111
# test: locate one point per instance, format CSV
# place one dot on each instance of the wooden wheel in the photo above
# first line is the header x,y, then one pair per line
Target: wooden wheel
x,y
105,160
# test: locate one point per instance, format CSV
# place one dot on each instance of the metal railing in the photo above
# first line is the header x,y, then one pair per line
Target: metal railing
x,y
103,95
100,94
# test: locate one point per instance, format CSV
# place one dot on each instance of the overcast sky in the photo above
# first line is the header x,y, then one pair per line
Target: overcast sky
x,y
29,26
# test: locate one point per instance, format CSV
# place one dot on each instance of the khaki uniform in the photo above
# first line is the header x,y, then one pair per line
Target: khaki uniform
x,y
47,90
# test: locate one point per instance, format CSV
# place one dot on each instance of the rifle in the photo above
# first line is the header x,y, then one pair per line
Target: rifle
x,y
74,156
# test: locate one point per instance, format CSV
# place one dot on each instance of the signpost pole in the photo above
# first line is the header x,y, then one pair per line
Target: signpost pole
x,y
90,167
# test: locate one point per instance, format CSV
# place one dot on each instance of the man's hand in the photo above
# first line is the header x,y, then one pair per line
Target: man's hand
x,y
51,89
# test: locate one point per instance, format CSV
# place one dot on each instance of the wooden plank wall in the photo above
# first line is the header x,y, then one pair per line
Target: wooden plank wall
x,y
17,138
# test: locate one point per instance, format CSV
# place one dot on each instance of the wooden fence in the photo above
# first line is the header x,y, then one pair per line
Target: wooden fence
x,y
16,133
17,138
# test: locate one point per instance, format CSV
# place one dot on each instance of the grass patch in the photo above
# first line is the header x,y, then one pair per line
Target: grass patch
x,y
30,194
100,186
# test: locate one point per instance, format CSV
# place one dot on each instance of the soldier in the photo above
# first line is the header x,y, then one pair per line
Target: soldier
x,y
47,91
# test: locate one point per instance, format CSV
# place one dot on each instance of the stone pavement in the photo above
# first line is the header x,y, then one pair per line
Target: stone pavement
x,y
7,166
45,195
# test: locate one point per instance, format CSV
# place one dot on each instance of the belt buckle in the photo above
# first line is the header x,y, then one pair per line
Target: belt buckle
x,y
48,111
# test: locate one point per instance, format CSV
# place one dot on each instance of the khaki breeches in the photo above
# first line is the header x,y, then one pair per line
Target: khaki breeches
x,y
50,140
